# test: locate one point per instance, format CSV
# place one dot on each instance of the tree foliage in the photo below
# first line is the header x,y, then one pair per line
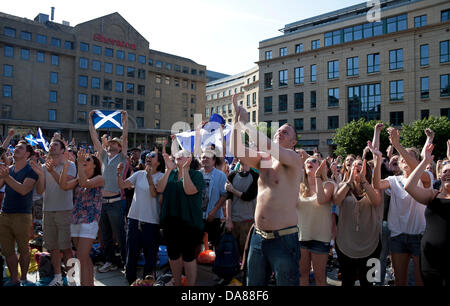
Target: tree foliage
x,y
413,135
352,138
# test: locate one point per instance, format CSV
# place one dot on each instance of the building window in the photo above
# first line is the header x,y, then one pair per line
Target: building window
x,y
185,69
396,59
69,45
333,97
56,42
141,90
169,66
158,93
298,124
176,67
424,55
373,63
267,104
396,118
248,100
157,108
109,52
142,59
313,73
119,86
167,80
96,65
315,44
40,57
7,91
81,116
283,78
83,81
8,70
445,112
131,57
444,51
157,124
9,32
420,21
52,115
333,122
158,79
108,68
130,72
373,29
6,111
95,100
141,74
424,87
424,114
176,82
299,75
26,35
8,51
283,51
397,23
364,101
25,54
352,66
95,83
120,54
268,55
42,39
253,116
118,103
140,105
333,70
53,96
313,124
84,47
313,99
445,87
396,90
82,99
298,101
158,64
282,103
130,88
53,77
84,63
445,15
334,38
55,59
97,50
107,84
299,48
268,80
254,98
130,104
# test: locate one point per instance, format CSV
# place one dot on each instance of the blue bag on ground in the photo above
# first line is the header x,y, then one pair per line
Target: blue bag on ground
x,y
226,264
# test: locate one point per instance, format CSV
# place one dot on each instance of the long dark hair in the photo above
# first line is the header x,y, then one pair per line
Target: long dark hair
x,y
98,166
162,164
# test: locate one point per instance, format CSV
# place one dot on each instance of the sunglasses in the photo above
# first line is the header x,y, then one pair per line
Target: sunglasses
x,y
314,160
152,155
88,159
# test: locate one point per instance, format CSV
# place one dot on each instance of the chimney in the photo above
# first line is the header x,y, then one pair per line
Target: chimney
x,y
53,13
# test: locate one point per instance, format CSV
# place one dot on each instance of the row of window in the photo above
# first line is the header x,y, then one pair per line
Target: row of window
x,y
366,30
119,86
98,50
25,54
373,65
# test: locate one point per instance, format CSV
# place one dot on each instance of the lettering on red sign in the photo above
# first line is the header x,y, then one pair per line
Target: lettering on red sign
x,y
114,42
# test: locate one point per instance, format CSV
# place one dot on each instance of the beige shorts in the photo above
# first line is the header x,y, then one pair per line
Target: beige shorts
x,y
56,227
15,228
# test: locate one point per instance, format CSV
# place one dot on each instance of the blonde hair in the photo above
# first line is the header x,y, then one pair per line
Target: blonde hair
x,y
304,186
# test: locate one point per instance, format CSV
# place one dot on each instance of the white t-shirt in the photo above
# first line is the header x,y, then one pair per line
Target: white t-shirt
x,y
144,207
406,215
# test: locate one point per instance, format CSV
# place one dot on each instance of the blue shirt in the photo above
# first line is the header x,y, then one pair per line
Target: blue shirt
x,y
215,191
15,203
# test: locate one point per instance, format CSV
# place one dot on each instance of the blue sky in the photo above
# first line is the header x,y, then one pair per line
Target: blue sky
x,y
224,35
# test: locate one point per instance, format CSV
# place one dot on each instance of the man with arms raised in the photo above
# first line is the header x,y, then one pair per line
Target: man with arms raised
x,y
274,242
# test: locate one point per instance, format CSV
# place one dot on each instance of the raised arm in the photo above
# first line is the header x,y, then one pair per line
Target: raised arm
x,y
40,184
324,194
342,192
5,144
420,194
198,140
124,133
64,182
430,136
169,167
448,149
373,194
94,136
188,185
120,182
94,182
376,135
21,188
174,145
377,182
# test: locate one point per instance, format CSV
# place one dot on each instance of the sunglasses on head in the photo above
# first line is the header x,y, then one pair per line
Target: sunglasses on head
x,y
88,159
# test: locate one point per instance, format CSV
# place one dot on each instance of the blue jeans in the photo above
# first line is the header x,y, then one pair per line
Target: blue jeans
x,y
144,236
112,228
385,249
280,255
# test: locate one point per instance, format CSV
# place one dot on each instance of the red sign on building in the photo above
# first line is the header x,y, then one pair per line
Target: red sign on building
x,y
114,42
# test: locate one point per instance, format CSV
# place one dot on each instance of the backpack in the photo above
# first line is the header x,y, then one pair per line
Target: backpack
x,y
226,264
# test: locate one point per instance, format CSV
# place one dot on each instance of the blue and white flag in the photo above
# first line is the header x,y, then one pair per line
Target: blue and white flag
x,y
41,140
186,140
11,149
31,140
104,119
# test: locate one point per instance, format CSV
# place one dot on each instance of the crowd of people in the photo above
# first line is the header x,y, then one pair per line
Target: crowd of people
x,y
288,210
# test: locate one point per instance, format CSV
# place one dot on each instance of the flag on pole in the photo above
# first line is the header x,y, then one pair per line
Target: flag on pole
x,y
41,140
104,119
31,140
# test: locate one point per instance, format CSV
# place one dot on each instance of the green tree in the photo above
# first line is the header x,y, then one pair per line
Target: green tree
x,y
413,134
352,138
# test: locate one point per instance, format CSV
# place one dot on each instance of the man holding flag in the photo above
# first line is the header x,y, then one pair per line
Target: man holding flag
x,y
113,208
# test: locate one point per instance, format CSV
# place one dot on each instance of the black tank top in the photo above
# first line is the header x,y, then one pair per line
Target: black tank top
x,y
437,231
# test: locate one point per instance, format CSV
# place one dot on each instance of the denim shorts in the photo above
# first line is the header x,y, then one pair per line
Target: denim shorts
x,y
406,244
315,246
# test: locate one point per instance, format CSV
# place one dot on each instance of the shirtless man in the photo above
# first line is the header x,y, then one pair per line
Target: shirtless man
x,y
274,241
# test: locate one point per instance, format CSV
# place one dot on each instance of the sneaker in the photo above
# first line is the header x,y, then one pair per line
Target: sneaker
x,y
56,282
107,267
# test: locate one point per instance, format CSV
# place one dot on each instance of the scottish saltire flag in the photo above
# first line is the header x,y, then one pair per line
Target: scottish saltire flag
x,y
105,119
31,140
186,140
41,140
11,149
